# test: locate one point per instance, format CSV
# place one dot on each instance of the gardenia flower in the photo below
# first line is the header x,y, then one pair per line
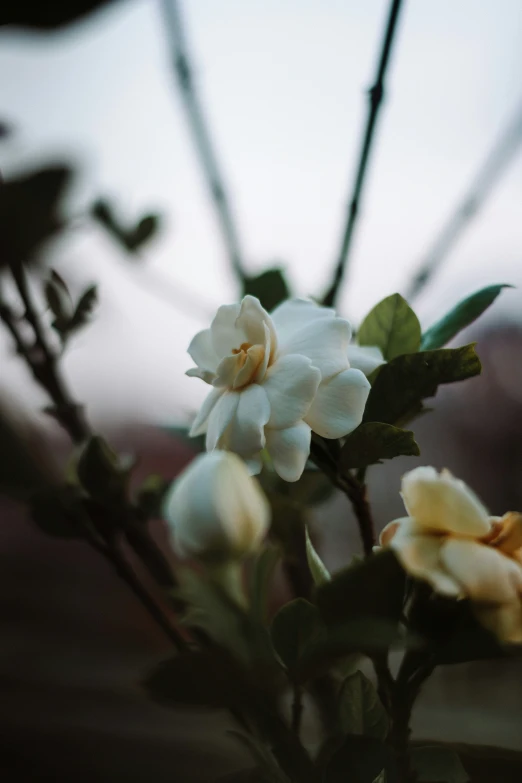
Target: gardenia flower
x,y
450,541
215,510
275,379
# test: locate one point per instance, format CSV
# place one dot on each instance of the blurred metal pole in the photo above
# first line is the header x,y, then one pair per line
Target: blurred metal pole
x,y
496,163
201,135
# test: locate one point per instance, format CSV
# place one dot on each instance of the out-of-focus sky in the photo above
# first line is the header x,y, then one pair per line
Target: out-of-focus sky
x,y
283,85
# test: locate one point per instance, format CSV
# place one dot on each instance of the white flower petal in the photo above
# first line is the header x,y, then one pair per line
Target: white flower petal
x,y
246,434
420,556
291,385
225,334
205,375
252,319
388,532
365,357
220,418
294,314
338,406
199,425
254,464
255,358
289,450
325,342
228,370
486,575
201,350
268,355
442,502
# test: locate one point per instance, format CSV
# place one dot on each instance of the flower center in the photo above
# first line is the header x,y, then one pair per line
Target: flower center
x,y
243,348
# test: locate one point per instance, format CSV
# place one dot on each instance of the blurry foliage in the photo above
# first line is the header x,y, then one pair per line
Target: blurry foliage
x,y
29,212
270,287
131,238
69,316
43,15
373,442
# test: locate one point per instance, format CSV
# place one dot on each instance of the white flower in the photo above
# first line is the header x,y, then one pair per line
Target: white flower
x,y
215,510
450,541
275,379
365,357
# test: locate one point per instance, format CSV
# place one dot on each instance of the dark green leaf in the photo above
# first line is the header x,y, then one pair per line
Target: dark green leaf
x,y
100,472
83,309
372,442
373,588
292,628
434,764
145,230
317,568
270,287
392,326
260,581
461,316
45,15
198,678
29,212
401,385
58,299
360,709
59,512
361,760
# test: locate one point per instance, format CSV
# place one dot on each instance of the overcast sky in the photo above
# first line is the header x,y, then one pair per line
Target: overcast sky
x,y
282,82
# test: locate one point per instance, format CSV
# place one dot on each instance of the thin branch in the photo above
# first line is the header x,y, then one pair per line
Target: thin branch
x,y
375,96
488,176
201,135
44,365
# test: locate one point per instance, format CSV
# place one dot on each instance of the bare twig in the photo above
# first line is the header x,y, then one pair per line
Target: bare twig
x,y
375,96
201,135
488,176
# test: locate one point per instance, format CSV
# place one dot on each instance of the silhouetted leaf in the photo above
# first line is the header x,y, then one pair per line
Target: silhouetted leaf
x,y
29,212
372,442
100,471
260,582
293,627
270,287
360,709
131,237
59,512
150,495
400,386
46,15
461,316
147,227
392,326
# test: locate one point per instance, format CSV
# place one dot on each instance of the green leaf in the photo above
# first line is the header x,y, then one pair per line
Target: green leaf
x,y
150,495
361,760
360,709
202,678
46,16
260,580
381,778
392,326
270,287
435,764
292,628
130,238
400,386
373,588
58,298
100,471
372,442
317,568
461,316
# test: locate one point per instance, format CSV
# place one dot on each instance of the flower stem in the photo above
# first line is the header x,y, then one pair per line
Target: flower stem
x,y
375,96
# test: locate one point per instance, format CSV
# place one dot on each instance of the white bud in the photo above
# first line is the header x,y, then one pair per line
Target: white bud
x,y
215,510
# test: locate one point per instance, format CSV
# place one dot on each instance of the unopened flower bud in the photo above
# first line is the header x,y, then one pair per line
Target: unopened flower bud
x,y
215,510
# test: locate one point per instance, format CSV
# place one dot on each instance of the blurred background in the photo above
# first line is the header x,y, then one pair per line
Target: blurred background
x,y
282,86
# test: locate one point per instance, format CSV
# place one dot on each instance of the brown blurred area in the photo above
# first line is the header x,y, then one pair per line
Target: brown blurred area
x,y
75,643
